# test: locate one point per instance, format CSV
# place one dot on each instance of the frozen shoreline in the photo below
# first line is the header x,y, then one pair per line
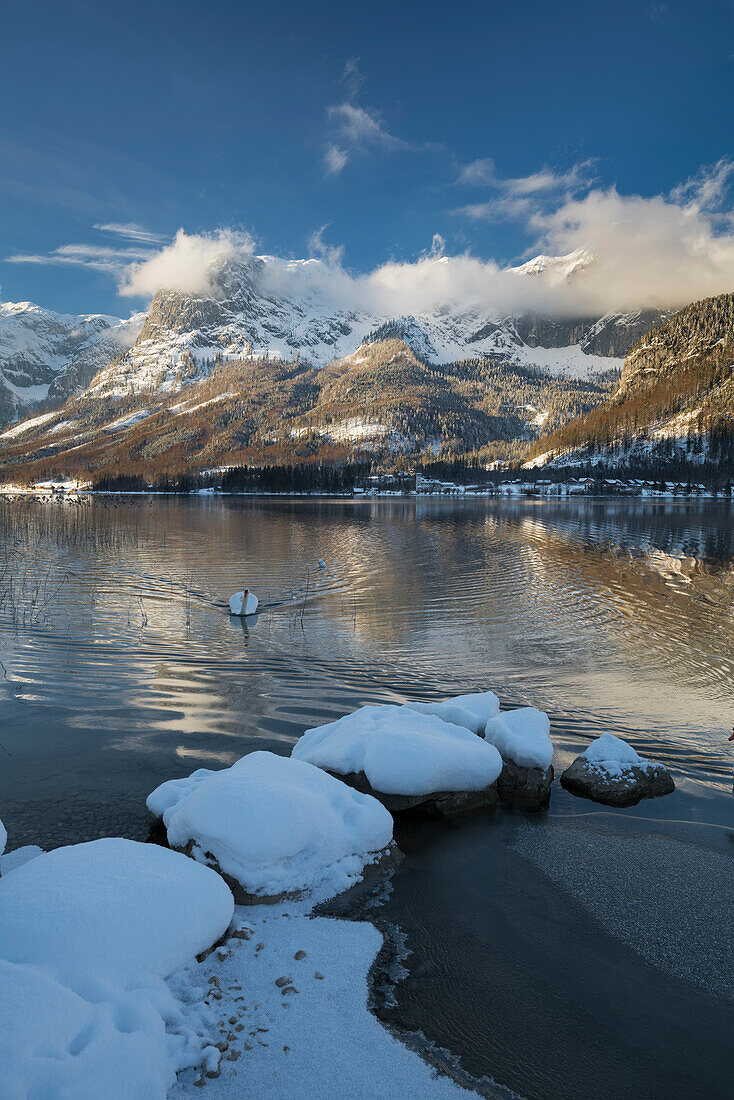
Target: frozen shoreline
x,y
280,1008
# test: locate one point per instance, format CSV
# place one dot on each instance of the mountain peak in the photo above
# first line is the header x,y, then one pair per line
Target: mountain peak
x,y
557,269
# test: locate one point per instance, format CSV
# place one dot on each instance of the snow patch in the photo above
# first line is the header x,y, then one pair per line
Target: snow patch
x,y
26,426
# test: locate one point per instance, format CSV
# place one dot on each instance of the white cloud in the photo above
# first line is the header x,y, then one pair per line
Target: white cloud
x,y
547,181
479,173
637,251
360,127
519,197
708,188
660,250
335,159
131,231
360,130
656,251
352,77
317,246
499,208
187,264
99,258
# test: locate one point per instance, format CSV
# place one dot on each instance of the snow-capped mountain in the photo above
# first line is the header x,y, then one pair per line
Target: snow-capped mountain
x,y
252,315
48,355
263,308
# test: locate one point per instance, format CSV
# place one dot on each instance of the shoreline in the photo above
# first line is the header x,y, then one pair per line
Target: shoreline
x,y
43,495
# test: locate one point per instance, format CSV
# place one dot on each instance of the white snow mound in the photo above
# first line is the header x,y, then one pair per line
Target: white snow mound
x,y
522,736
238,605
613,755
402,751
3,838
472,711
10,860
87,935
55,1044
112,910
275,824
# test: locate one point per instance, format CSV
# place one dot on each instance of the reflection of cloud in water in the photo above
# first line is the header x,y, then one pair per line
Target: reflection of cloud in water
x,y
187,753
605,612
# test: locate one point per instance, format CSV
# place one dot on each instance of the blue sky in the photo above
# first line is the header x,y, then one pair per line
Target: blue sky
x,y
385,123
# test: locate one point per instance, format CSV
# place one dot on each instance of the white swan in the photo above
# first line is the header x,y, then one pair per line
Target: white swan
x,y
243,603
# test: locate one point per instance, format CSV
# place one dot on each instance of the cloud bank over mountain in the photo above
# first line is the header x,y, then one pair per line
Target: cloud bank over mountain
x,y
602,251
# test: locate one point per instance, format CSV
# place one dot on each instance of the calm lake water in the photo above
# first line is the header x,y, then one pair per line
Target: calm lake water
x,y
585,953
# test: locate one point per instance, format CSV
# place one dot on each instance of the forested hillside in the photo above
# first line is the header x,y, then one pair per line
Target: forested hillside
x,y
675,398
382,401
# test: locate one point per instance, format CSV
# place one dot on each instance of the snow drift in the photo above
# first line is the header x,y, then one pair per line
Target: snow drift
x,y
87,935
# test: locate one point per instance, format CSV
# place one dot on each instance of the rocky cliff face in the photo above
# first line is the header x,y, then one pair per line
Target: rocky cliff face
x,y
247,313
611,335
46,355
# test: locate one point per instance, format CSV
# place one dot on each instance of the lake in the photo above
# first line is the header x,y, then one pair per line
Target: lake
x,y
585,952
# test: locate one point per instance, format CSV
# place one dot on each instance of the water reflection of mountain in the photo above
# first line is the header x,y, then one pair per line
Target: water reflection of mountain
x,y
582,606
698,529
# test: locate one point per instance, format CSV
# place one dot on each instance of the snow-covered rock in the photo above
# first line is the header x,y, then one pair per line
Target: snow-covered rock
x,y
88,933
111,910
522,736
612,772
406,758
523,739
274,826
241,605
472,711
3,838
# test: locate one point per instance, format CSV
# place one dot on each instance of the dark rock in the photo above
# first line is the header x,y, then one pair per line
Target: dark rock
x,y
527,788
436,804
625,788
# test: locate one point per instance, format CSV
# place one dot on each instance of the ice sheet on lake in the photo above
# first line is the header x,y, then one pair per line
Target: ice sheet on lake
x,y
671,901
